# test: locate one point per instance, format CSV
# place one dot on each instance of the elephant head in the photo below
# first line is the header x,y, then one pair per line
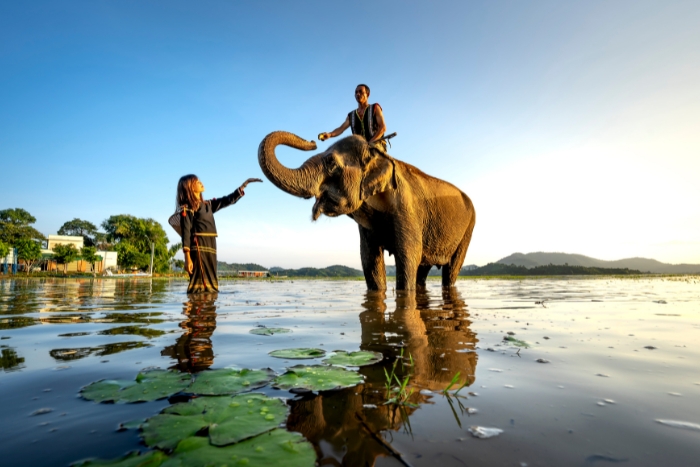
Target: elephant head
x,y
341,178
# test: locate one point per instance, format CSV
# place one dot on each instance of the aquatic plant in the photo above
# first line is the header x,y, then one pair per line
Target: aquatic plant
x,y
133,330
317,378
229,381
454,381
298,354
359,358
401,393
227,419
148,386
516,342
157,384
132,459
277,447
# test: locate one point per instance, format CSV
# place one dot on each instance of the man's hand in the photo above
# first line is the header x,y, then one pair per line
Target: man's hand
x,y
250,180
332,134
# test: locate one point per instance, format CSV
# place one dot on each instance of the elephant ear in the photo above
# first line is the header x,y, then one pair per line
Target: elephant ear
x,y
378,176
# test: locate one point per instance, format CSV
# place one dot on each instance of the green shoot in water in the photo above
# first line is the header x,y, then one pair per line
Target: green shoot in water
x,y
402,394
454,381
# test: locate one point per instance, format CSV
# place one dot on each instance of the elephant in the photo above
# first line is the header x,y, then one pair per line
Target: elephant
x,y
422,220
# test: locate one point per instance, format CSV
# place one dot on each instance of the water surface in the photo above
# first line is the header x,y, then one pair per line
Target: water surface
x,y
615,356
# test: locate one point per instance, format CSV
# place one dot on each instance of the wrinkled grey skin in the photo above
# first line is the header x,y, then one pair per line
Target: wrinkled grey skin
x,y
421,220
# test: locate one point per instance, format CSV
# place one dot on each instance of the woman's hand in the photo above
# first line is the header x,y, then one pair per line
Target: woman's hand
x,y
250,180
189,267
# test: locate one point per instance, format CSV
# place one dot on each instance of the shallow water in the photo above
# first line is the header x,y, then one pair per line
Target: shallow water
x,y
622,354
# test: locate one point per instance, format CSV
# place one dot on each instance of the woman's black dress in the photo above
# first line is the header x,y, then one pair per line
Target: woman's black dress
x,y
199,236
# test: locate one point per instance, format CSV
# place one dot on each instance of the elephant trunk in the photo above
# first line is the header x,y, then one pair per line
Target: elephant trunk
x,y
304,181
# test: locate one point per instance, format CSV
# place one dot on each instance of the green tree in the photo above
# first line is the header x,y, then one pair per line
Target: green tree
x,y
80,228
101,242
89,255
4,250
65,254
28,251
132,238
15,224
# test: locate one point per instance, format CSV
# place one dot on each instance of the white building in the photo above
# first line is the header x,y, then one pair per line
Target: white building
x,y
54,240
109,258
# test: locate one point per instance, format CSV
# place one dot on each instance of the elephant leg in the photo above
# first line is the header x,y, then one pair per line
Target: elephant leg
x,y
451,270
409,249
372,256
422,275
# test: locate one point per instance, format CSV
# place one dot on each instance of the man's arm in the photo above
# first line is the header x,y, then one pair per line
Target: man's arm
x,y
337,131
379,124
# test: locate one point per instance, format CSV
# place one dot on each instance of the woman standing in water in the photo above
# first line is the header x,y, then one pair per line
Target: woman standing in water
x,y
198,230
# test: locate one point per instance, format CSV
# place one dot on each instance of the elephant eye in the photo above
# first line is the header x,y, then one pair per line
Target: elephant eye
x,y
330,165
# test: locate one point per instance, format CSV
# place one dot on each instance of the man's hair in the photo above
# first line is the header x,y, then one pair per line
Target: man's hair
x,y
366,87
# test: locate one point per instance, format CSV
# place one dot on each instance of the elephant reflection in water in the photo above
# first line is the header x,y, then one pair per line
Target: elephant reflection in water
x,y
193,349
343,425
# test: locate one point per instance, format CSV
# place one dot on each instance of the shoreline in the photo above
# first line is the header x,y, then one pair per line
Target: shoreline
x,y
182,278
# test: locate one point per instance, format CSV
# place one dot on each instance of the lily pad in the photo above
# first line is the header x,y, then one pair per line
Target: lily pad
x,y
229,381
516,342
133,459
263,331
359,358
149,386
229,420
298,354
278,447
317,378
131,425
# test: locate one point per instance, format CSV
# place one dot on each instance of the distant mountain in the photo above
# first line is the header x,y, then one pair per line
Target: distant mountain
x,y
331,271
222,266
531,260
498,269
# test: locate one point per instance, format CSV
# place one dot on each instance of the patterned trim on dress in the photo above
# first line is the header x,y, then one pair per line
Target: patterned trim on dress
x,y
204,249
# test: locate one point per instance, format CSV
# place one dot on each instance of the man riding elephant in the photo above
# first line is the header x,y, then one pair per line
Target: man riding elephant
x,y
367,120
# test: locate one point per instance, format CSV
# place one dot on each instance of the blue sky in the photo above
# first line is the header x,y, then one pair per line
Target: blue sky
x,y
571,125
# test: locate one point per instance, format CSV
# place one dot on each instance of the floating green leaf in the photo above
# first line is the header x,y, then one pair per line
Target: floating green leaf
x,y
229,381
317,378
359,358
229,420
298,354
278,447
131,424
516,342
133,330
263,331
133,459
148,386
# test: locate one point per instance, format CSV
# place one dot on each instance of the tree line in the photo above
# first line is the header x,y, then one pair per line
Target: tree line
x,y
131,237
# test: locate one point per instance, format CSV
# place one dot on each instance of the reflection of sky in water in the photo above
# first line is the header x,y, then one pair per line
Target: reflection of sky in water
x,y
60,335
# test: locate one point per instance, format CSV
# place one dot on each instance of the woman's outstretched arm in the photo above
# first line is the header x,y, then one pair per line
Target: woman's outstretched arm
x,y
220,203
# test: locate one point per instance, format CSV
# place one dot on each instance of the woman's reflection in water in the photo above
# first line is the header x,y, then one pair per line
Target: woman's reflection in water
x,y
193,350
345,426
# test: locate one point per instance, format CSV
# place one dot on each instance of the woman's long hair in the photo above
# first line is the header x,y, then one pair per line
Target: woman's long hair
x,y
185,193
